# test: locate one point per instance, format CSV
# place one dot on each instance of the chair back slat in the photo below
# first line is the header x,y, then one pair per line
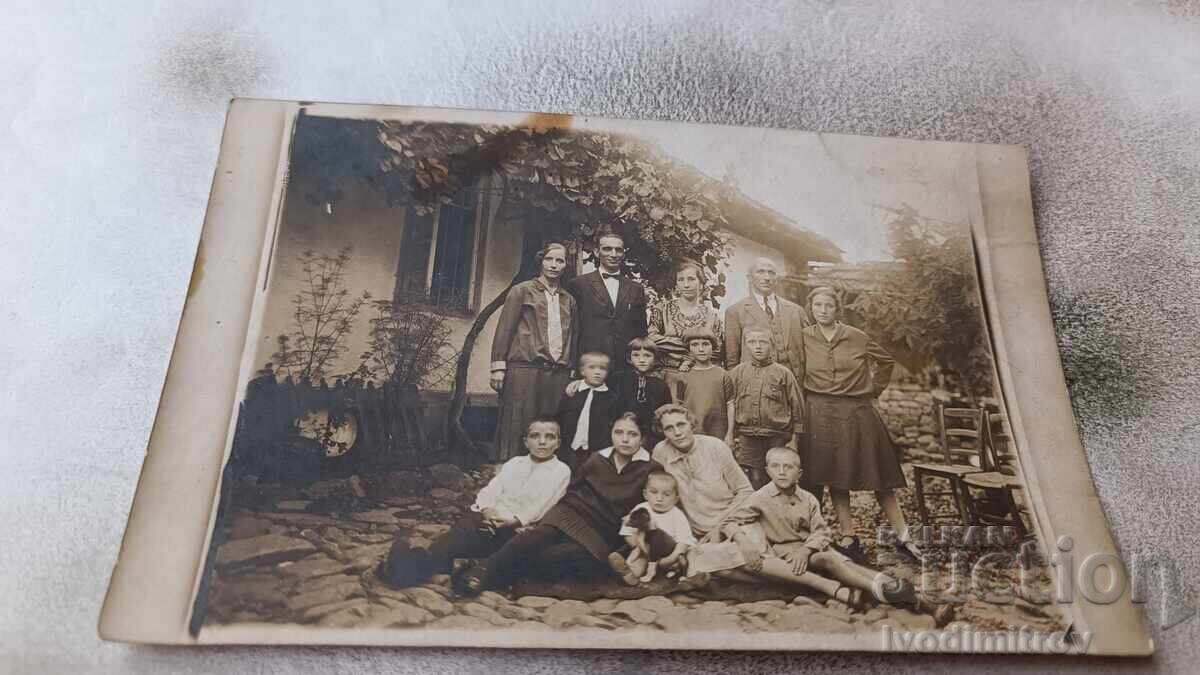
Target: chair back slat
x,y
999,450
961,434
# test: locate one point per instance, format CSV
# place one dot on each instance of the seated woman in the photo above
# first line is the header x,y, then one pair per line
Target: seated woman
x,y
575,537
709,479
780,536
518,496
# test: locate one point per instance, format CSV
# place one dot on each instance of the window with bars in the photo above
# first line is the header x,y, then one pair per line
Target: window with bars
x,y
437,252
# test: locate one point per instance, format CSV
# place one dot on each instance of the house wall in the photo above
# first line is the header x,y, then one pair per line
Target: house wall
x,y
502,256
362,219
745,251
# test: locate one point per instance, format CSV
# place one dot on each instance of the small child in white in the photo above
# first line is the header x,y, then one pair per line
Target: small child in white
x,y
662,500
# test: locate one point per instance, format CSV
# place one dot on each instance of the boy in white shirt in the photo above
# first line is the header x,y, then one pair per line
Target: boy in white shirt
x,y
518,496
662,501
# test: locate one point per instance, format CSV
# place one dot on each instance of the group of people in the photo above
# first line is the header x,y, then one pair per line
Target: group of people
x,y
725,433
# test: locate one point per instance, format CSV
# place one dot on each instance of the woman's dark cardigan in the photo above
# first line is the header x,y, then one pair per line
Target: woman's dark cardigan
x,y
598,498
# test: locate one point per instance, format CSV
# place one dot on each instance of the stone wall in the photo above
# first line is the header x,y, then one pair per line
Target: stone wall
x,y
907,409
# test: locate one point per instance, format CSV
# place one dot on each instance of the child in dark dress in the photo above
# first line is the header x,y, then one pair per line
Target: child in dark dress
x,y
638,391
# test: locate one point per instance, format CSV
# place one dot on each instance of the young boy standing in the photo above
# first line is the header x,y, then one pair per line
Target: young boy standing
x,y
638,391
706,389
586,414
518,496
768,407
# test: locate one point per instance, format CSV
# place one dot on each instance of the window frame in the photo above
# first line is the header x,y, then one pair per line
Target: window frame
x,y
477,257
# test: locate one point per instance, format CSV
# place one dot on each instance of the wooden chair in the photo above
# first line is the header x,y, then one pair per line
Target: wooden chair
x,y
962,443
994,504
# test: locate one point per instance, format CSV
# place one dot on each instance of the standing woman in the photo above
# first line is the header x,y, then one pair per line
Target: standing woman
x,y
533,350
849,447
679,315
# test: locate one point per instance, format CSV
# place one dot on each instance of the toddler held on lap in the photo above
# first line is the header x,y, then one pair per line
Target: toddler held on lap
x,y
664,525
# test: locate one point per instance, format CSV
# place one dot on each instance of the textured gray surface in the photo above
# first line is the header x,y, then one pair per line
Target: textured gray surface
x,y
111,119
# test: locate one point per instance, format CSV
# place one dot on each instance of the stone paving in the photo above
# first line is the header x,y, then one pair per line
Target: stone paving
x,y
308,556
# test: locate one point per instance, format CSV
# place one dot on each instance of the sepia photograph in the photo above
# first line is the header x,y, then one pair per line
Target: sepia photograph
x,y
550,377
670,336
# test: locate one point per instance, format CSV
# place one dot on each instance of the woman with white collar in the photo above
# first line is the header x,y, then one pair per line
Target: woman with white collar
x,y
575,537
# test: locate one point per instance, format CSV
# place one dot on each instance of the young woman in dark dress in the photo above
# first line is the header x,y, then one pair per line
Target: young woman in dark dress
x,y
638,391
575,537
848,448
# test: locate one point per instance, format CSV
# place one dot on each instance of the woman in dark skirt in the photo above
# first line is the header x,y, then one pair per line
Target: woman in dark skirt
x,y
533,351
575,537
848,447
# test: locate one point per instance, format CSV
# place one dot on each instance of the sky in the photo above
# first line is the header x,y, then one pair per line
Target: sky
x,y
831,184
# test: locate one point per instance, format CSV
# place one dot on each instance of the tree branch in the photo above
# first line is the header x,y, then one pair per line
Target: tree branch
x,y
456,435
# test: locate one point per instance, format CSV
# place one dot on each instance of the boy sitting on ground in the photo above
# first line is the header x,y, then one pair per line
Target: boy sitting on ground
x,y
518,496
662,502
781,536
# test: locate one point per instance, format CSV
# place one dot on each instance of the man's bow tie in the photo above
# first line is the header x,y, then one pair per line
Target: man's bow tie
x,y
606,275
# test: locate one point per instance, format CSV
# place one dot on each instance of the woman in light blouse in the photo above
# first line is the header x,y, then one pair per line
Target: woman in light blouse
x,y
848,448
674,317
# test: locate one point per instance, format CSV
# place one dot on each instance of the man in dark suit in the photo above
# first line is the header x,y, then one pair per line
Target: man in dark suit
x,y
611,306
765,309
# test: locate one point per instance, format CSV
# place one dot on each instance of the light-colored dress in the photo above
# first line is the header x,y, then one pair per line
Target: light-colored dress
x,y
710,481
669,323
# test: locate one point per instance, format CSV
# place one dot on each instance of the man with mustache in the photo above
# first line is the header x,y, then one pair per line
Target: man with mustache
x,y
765,309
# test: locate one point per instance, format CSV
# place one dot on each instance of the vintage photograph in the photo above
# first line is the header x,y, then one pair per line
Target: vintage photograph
x,y
564,375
